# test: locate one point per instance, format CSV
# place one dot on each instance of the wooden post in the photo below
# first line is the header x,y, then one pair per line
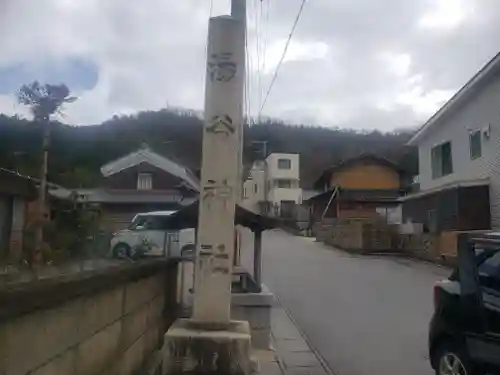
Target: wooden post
x,y
257,258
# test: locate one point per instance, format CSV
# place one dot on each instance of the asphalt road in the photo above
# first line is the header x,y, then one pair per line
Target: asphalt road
x,y
364,315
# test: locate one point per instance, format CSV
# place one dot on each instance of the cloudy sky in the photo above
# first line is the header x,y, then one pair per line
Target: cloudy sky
x,y
381,64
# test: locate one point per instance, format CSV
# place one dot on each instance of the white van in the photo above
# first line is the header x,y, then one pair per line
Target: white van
x,y
148,234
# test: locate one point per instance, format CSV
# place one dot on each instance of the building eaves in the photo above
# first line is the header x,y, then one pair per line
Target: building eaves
x,y
481,78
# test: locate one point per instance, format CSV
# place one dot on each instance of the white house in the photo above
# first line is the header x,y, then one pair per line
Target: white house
x,y
273,185
459,159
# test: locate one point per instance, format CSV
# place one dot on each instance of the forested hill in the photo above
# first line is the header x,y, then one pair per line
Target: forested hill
x,y
77,152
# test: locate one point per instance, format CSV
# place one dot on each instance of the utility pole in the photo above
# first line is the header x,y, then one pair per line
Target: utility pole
x,y
42,192
263,149
210,342
239,13
266,175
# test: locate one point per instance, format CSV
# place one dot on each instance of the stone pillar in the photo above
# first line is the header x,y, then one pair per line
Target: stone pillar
x,y
219,172
209,342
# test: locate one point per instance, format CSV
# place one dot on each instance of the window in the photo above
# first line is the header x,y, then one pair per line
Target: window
x,y
475,145
255,188
137,222
144,181
441,160
151,222
284,184
284,164
245,195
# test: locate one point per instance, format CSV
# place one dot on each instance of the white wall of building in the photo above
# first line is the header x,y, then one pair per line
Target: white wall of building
x,y
265,181
254,188
248,200
481,112
277,195
274,172
476,114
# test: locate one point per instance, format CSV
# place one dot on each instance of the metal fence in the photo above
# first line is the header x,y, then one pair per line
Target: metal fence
x,y
88,254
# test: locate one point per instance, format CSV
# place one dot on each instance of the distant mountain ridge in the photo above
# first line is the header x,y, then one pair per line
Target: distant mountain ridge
x,y
77,152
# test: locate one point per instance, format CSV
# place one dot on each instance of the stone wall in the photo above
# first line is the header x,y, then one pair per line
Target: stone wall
x,y
436,247
378,236
322,229
363,235
368,236
346,235
422,245
109,321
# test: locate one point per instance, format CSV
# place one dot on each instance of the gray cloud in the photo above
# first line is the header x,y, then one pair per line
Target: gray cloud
x,y
357,63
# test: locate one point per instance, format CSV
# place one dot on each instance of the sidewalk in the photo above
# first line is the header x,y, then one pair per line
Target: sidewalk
x,y
292,355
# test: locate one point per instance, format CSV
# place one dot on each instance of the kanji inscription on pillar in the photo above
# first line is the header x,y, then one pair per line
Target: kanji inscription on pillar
x,y
221,67
222,124
220,170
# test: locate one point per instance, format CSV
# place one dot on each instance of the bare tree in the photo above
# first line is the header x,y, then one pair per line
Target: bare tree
x,y
44,100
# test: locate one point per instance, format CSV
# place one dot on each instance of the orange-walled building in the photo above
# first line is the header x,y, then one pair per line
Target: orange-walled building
x,y
357,187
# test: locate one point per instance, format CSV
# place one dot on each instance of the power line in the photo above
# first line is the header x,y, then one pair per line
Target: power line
x,y
282,56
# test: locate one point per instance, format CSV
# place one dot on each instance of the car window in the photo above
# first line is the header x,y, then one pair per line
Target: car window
x,y
151,222
489,269
155,223
137,222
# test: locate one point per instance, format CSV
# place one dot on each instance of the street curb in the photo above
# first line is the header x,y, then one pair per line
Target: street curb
x,y
315,351
278,358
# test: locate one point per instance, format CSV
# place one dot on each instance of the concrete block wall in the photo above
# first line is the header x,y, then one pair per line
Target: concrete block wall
x,y
111,331
259,319
255,308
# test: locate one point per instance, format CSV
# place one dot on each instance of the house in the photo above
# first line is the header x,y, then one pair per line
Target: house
x,y
55,195
459,159
15,192
19,210
363,186
273,186
141,181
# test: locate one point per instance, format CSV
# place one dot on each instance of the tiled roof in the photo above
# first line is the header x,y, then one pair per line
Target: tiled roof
x,y
146,155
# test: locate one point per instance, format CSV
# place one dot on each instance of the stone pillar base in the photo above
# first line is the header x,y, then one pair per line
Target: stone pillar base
x,y
190,349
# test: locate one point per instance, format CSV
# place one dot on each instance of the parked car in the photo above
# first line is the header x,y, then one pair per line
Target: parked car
x,y
464,333
149,234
